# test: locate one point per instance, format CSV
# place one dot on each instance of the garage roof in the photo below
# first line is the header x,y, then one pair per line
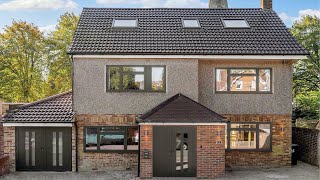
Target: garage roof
x,y
54,109
161,31
180,109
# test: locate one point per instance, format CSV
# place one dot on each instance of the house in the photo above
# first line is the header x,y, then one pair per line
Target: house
x,y
166,92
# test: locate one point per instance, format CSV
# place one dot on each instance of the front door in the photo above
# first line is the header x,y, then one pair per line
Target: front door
x,y
43,149
174,151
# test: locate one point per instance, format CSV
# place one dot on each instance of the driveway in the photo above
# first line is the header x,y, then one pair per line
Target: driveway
x,y
302,171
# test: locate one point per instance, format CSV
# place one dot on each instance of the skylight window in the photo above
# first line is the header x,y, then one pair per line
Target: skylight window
x,y
191,23
235,23
125,23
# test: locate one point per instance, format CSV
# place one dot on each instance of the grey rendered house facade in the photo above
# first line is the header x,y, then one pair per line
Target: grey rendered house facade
x,y
178,92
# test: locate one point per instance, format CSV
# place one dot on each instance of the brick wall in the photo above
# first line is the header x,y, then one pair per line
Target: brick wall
x,y
281,144
1,138
9,146
89,161
4,165
309,144
146,169
210,152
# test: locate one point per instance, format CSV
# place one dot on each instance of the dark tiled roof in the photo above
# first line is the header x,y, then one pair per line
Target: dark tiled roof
x,y
181,109
160,32
54,109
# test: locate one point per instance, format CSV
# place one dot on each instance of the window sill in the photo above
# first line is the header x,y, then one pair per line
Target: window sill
x,y
111,151
108,91
248,150
243,92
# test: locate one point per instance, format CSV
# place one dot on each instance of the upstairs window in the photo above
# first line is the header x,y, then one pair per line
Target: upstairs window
x,y
136,78
235,23
243,80
190,23
125,23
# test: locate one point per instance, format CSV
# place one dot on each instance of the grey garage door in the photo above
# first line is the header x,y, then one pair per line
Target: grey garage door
x,y
174,151
43,149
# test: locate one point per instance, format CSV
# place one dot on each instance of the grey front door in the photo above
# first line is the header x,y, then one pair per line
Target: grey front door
x,y
43,149
174,151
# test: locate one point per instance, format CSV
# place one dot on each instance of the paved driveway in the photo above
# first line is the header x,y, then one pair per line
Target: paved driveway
x,y
302,171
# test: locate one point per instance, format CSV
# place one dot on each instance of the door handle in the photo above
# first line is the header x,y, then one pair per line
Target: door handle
x,y
41,148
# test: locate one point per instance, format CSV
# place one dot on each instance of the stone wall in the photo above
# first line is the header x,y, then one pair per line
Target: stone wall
x,y
4,165
309,144
281,144
210,151
102,161
9,146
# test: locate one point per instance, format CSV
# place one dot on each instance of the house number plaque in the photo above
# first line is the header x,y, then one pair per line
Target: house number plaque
x,y
146,154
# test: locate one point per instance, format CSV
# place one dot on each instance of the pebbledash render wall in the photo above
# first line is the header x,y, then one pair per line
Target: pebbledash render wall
x,y
101,161
210,154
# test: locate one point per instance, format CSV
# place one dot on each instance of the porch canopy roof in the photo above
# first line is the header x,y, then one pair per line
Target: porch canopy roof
x,y
181,109
54,109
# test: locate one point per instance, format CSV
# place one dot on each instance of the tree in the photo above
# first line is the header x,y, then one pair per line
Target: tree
x,y
21,62
59,63
307,71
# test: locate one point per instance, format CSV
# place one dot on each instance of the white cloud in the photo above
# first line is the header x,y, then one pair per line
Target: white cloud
x,y
38,4
47,29
290,19
157,3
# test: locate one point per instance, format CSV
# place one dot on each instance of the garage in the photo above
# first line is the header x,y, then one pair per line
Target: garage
x,y
43,149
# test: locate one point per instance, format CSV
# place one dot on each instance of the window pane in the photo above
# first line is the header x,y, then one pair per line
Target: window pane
x,y
60,149
264,79
191,23
242,83
133,82
178,151
114,78
91,139
236,23
133,138
243,71
243,125
158,77
111,138
264,136
133,69
125,23
54,148
221,79
242,140
27,147
33,148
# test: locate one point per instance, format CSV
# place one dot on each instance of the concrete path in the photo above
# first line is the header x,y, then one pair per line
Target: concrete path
x,y
302,171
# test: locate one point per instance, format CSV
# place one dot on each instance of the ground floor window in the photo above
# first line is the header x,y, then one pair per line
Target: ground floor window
x,y
111,138
249,136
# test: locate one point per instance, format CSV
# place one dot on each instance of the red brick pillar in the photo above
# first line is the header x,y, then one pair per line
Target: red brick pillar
x,y
210,151
145,145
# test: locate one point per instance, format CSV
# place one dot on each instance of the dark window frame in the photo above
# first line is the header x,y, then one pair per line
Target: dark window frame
x,y
257,91
125,128
236,19
147,78
183,25
125,27
256,130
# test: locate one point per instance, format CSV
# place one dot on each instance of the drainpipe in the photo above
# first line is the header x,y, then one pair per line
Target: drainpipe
x,y
75,124
139,152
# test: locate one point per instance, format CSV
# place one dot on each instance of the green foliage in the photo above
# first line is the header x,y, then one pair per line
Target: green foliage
x,y
33,66
306,75
21,62
307,106
307,71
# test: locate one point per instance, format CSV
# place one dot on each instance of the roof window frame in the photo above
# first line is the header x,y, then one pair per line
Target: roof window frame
x,y
183,25
243,19
125,27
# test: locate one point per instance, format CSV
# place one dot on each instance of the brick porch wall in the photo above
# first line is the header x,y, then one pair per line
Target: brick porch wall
x,y
210,151
281,144
146,168
89,161
9,146
1,138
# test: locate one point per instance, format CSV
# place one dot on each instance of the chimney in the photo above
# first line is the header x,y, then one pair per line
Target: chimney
x,y
266,4
218,4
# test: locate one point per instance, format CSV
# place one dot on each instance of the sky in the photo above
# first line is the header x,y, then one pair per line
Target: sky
x,y
45,13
